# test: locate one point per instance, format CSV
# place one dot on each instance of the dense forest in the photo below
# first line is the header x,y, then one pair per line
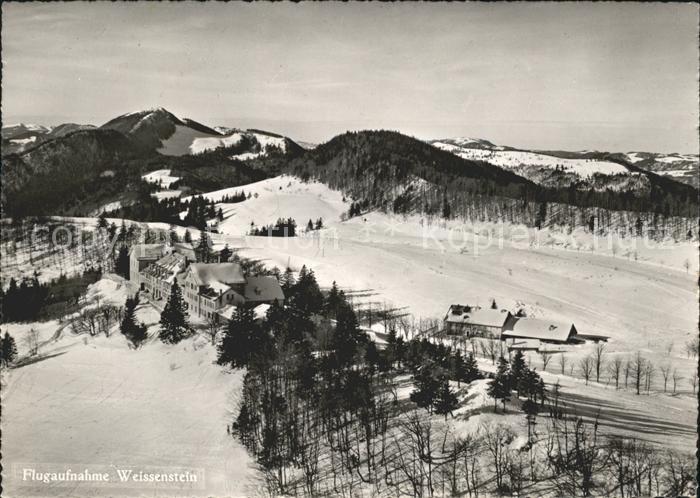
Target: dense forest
x,y
387,170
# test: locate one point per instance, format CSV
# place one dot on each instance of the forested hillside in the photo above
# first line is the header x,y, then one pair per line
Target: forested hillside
x,y
382,169
57,174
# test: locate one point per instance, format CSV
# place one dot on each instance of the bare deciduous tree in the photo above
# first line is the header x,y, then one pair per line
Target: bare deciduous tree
x,y
546,357
665,373
637,368
676,378
586,368
562,363
598,356
615,370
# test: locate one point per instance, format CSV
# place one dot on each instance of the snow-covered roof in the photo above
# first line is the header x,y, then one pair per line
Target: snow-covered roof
x,y
167,267
538,328
216,274
263,288
186,249
473,315
147,251
260,311
227,311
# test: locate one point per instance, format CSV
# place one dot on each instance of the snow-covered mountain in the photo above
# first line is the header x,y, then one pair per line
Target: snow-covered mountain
x,y
681,167
170,135
585,170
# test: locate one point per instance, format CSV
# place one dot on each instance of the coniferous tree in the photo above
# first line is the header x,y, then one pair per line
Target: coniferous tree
x,y
102,221
518,368
121,265
188,237
203,249
8,350
112,231
287,282
347,337
134,331
173,319
306,294
225,254
445,401
240,340
333,301
309,226
499,387
458,370
427,382
471,369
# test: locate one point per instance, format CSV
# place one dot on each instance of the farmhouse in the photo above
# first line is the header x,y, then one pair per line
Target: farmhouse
x,y
472,321
538,328
208,287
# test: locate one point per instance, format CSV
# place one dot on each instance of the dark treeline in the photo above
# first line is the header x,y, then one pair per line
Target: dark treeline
x,y
148,208
282,228
31,300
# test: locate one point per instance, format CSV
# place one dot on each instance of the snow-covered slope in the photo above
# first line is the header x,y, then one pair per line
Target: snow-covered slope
x,y
186,141
540,168
93,401
279,197
681,167
579,168
161,177
249,144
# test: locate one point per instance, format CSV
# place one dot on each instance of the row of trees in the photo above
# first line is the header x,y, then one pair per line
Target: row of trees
x,y
283,227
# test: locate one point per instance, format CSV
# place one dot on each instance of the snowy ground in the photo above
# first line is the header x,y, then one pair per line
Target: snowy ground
x,y
184,141
161,177
93,402
510,159
280,197
647,305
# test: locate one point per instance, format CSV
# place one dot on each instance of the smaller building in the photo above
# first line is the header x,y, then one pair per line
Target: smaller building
x,y
207,287
473,321
141,256
262,290
541,329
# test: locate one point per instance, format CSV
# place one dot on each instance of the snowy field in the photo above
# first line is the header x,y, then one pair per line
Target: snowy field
x,y
93,398
279,197
161,177
511,159
181,142
647,305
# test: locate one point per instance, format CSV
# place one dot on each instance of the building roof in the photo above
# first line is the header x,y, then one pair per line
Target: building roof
x,y
263,288
186,249
538,328
260,311
473,315
147,251
218,276
227,311
167,267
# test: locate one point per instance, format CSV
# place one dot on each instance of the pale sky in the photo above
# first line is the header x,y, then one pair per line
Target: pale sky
x,y
606,76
